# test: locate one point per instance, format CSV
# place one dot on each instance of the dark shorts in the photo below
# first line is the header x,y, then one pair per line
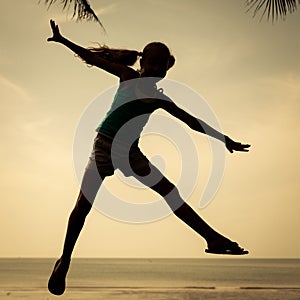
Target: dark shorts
x,y
109,155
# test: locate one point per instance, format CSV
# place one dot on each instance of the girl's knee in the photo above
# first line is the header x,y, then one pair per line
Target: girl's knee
x,y
83,205
170,193
173,198
164,187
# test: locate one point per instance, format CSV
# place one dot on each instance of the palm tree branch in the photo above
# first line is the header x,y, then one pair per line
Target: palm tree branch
x,y
272,8
82,9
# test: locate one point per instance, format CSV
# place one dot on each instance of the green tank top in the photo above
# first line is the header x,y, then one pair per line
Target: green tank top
x,y
129,112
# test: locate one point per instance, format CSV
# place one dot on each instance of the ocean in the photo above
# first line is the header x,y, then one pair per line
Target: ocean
x,y
213,278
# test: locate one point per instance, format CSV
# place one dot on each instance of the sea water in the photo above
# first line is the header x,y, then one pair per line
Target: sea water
x,y
155,278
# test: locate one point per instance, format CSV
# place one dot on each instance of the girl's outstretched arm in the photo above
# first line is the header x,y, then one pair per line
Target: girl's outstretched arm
x,y
201,126
122,71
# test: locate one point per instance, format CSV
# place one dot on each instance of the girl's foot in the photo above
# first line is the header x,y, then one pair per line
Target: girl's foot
x,y
222,245
57,280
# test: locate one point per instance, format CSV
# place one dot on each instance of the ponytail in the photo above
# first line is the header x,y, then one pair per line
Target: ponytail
x,y
119,56
129,57
171,61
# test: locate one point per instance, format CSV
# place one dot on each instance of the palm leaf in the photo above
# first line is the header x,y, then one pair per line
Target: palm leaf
x,y
82,9
273,8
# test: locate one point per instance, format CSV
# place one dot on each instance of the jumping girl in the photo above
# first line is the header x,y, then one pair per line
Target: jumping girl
x,y
155,61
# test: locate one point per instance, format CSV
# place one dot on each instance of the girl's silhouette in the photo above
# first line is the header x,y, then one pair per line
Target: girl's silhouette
x,y
155,61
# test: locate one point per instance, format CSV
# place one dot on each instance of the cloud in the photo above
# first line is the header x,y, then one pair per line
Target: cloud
x,y
287,82
22,93
285,89
106,9
4,60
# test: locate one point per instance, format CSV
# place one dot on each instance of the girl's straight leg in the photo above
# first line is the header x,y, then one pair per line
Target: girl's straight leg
x,y
150,176
160,184
216,242
90,185
182,210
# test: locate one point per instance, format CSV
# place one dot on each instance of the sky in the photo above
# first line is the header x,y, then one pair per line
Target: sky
x,y
249,73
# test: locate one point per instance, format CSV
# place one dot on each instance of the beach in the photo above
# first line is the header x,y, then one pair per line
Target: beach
x,y
153,294
131,279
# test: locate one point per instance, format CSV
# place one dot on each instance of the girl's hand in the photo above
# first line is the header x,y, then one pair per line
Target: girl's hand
x,y
234,146
57,37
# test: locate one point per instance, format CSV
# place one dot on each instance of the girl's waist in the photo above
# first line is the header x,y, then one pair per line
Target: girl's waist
x,y
118,142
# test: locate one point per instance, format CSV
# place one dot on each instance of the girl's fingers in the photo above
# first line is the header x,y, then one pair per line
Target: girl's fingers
x,y
54,27
245,149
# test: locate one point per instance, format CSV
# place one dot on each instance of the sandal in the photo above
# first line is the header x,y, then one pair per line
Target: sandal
x,y
230,248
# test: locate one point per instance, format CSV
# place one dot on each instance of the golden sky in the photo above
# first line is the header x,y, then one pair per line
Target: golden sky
x,y
249,73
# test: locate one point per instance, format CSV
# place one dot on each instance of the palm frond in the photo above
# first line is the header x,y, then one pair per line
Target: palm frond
x,y
82,9
272,8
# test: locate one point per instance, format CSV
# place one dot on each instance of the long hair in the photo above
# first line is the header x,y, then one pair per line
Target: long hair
x,y
129,57
120,56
